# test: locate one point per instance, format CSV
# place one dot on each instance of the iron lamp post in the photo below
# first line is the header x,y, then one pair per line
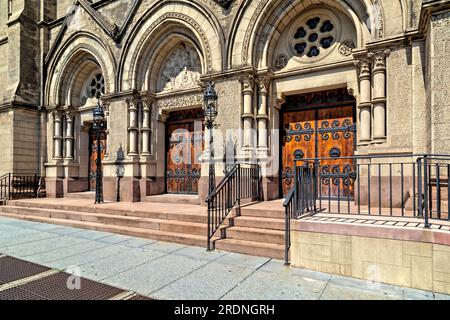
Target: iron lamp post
x,y
99,126
210,112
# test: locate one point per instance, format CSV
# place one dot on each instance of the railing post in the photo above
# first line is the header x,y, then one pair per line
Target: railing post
x,y
9,186
419,187
239,184
425,178
295,209
209,226
287,232
35,185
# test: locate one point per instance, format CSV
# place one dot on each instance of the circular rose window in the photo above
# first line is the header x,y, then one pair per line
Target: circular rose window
x,y
314,35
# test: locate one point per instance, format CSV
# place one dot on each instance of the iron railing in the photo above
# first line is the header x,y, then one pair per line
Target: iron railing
x,y
241,182
404,185
301,200
14,186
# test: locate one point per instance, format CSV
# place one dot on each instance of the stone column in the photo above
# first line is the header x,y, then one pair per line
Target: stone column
x,y
69,136
57,136
365,101
146,126
133,126
379,95
248,116
263,116
106,105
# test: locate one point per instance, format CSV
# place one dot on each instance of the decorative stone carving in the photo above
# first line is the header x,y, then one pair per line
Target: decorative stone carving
x,y
363,66
248,83
225,3
441,19
379,18
181,70
379,58
281,61
346,48
181,101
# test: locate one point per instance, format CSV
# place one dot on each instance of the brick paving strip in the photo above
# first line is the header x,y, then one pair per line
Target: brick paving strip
x,y
21,280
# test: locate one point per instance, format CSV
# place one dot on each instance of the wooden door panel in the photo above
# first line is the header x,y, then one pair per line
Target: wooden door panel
x,y
93,157
336,139
298,142
184,152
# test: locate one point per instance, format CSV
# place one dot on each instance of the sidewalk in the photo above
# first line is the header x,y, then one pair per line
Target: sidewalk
x,y
163,270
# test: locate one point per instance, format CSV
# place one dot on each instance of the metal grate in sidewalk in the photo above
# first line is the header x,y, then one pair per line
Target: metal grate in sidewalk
x,y
12,269
18,294
55,287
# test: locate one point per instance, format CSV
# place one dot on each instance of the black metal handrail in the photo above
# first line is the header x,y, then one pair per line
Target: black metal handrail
x,y
241,182
301,200
14,186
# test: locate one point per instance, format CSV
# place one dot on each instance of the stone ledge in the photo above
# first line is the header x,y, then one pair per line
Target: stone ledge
x,y
374,231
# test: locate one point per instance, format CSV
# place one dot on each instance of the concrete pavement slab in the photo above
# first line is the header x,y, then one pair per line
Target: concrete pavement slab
x,y
209,282
156,274
243,260
263,285
166,247
128,259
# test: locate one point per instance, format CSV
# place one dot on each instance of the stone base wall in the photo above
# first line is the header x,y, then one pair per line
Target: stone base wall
x,y
415,264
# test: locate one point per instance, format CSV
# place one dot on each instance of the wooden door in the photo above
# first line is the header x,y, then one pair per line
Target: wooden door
x,y
336,139
299,142
324,131
185,146
93,157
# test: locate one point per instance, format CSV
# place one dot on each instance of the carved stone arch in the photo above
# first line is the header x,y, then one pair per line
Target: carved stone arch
x,y
190,16
80,53
162,52
269,18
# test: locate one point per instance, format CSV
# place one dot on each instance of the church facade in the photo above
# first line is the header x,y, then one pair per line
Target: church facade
x,y
294,78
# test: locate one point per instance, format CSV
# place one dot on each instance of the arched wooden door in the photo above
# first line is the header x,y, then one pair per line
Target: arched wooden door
x,y
93,156
185,136
320,125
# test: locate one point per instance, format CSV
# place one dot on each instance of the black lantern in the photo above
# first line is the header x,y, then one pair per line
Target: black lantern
x,y
99,125
210,111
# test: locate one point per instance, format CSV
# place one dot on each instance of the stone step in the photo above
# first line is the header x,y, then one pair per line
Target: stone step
x,y
259,222
155,213
253,211
275,251
174,198
187,239
115,220
90,195
255,235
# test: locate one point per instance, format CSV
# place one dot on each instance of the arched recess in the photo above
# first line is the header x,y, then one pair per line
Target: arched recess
x,y
267,21
160,29
80,58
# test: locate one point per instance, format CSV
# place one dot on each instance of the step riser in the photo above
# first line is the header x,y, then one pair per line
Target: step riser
x,y
106,228
186,217
270,253
162,199
259,224
123,221
254,236
263,213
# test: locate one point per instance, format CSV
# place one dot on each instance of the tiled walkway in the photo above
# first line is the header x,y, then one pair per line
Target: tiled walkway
x,y
170,271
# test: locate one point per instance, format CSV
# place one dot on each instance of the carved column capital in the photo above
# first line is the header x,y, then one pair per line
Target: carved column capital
x,y
378,59
248,83
264,84
132,102
363,65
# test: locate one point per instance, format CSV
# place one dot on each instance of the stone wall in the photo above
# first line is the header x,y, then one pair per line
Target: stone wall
x,y
416,264
399,88
439,74
25,141
6,129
